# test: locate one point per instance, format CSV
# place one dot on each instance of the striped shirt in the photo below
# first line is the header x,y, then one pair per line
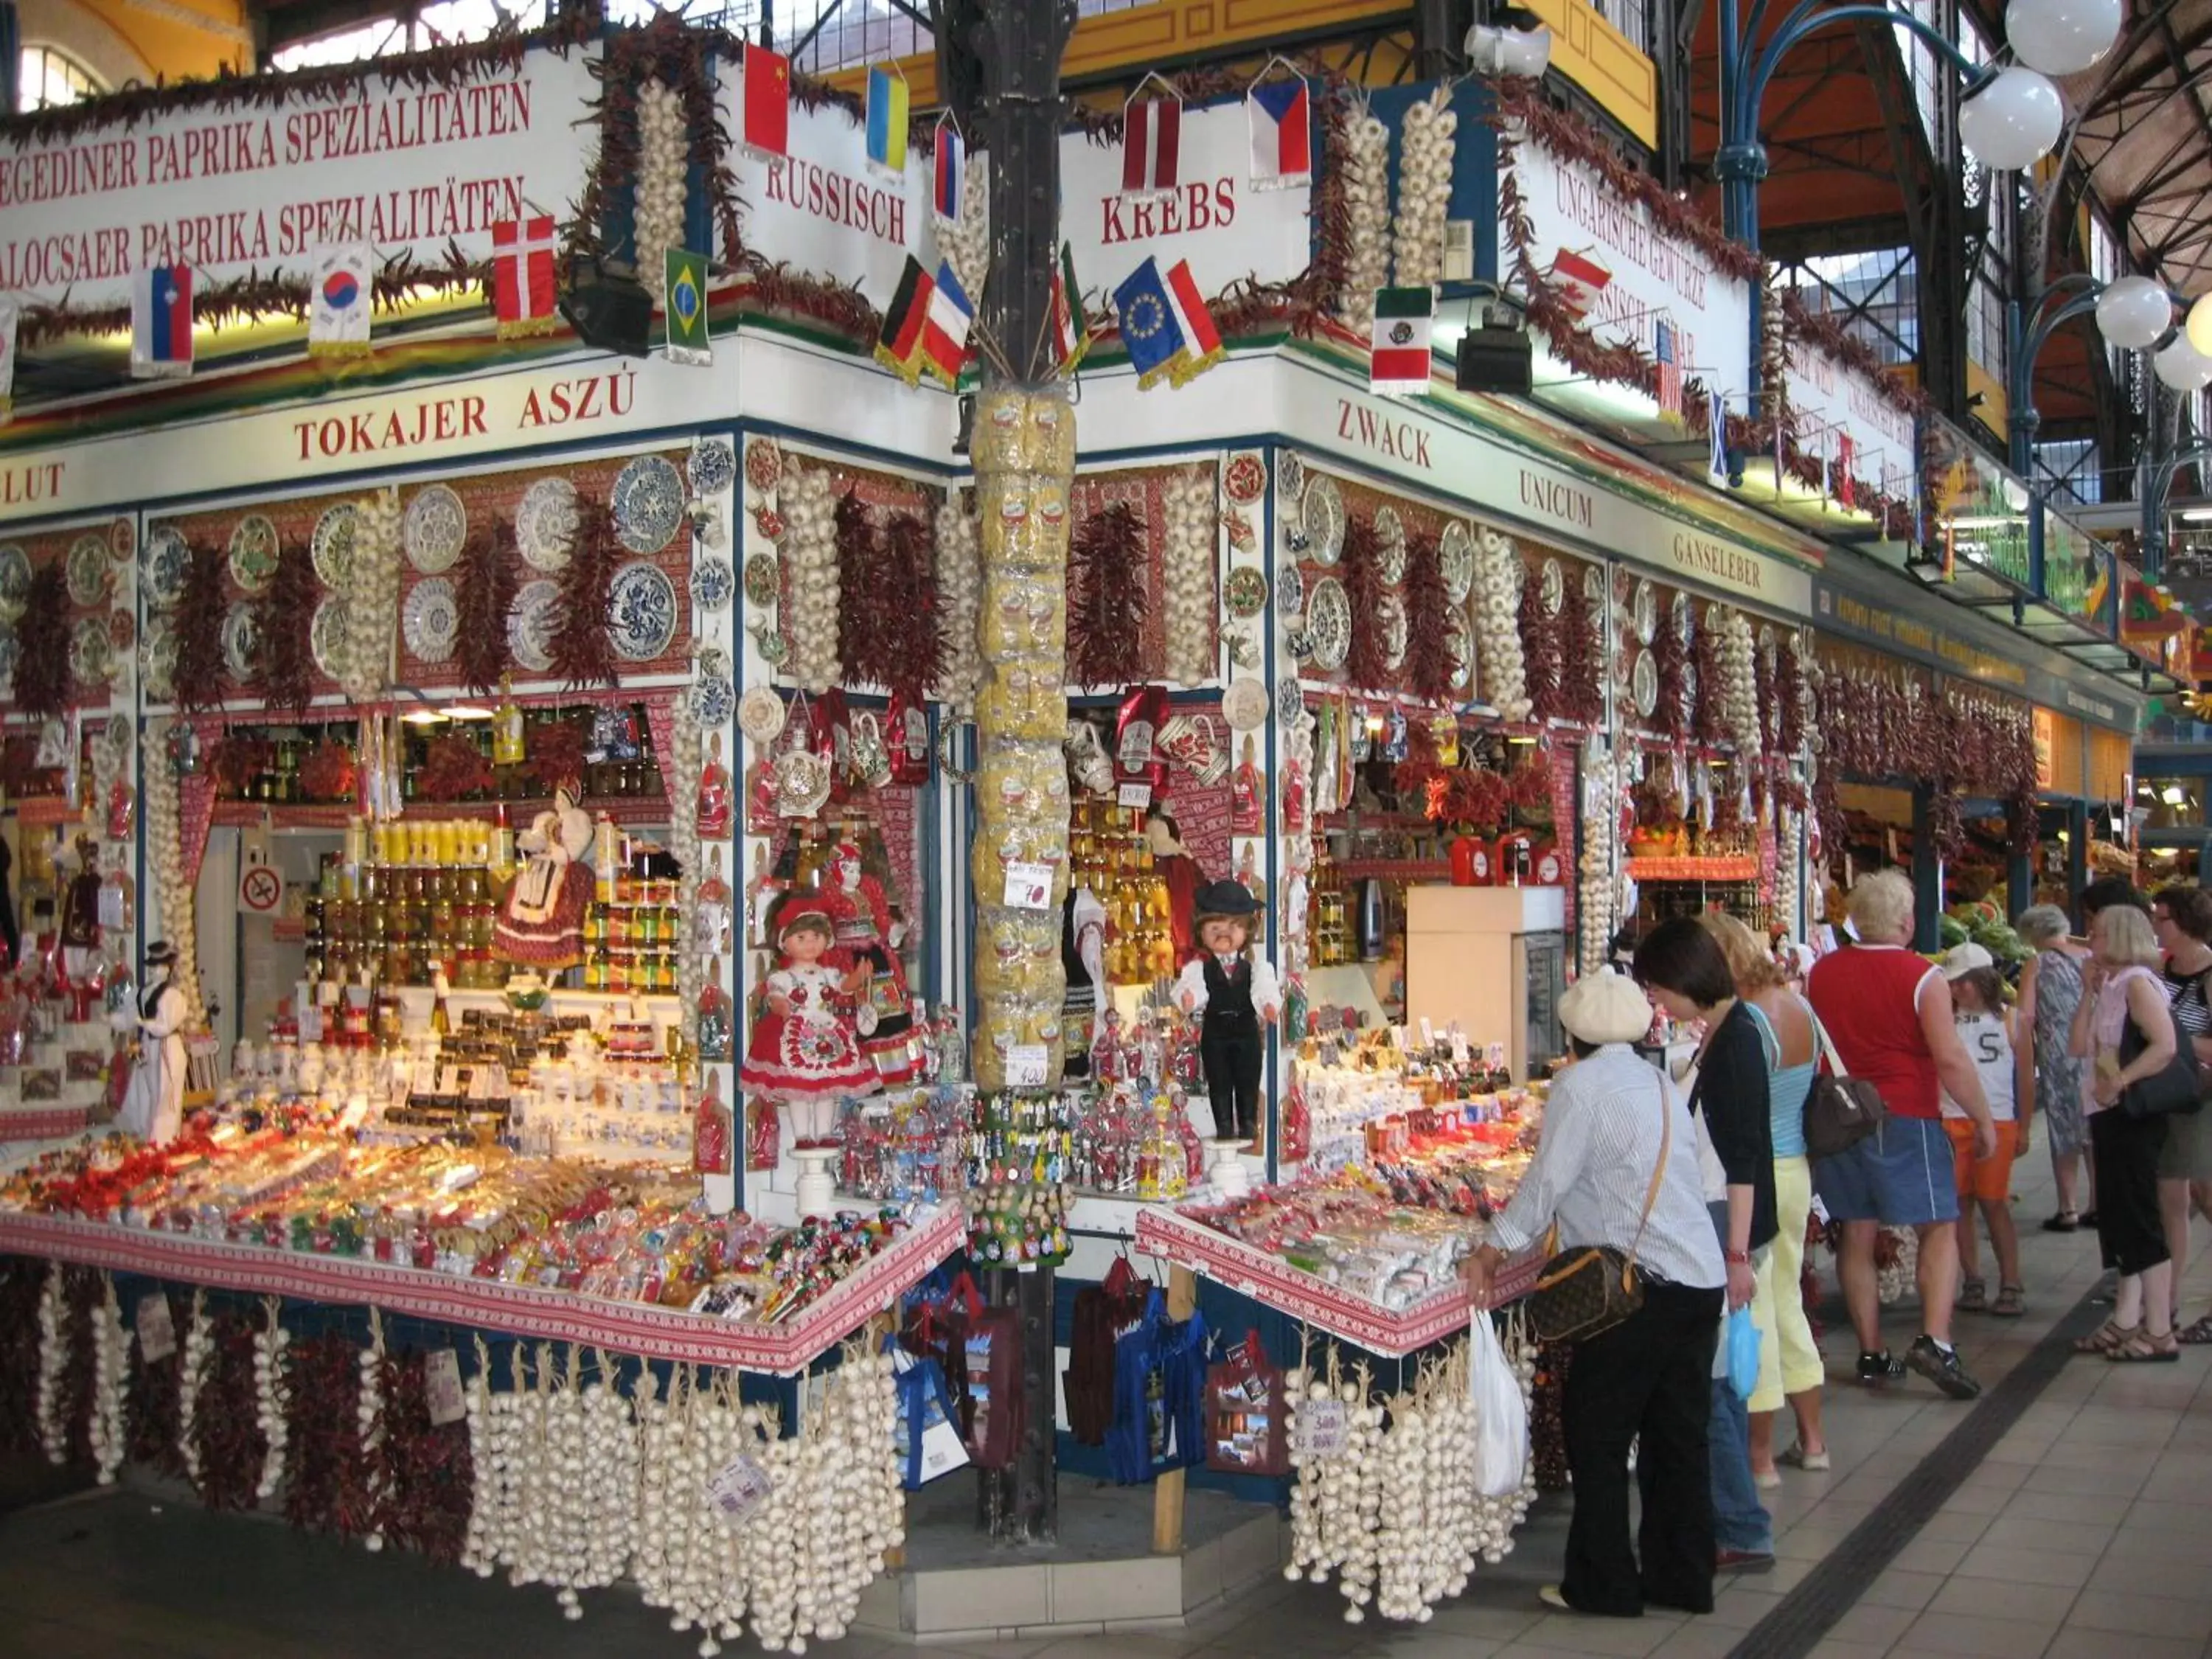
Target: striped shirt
x,y
2192,1014
1602,1130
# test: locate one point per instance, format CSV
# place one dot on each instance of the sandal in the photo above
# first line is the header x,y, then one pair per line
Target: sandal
x,y
2066,1221
2144,1349
2196,1335
1798,1458
1973,1298
2007,1304
2106,1337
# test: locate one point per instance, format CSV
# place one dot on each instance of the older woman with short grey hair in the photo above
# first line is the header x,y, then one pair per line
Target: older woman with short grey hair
x,y
2049,991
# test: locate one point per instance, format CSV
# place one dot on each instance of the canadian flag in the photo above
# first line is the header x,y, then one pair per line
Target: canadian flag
x,y
1578,279
1152,134
522,283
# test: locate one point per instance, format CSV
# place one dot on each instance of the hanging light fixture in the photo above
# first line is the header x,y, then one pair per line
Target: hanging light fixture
x,y
2134,311
2180,365
2063,37
2012,120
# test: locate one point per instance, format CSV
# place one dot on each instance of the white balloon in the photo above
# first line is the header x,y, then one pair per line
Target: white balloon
x,y
2133,312
2200,324
2013,122
2182,366
2063,37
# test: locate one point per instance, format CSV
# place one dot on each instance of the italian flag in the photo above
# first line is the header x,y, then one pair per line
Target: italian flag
x,y
1405,323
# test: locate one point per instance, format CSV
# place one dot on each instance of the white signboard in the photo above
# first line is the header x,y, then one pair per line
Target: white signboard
x,y
1641,278
1214,218
1829,399
822,209
405,168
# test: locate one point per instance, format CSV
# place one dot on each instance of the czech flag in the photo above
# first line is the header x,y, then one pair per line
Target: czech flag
x,y
161,322
767,110
1281,117
948,178
887,105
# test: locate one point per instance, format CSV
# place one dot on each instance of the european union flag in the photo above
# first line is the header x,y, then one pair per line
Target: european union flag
x,y
1149,330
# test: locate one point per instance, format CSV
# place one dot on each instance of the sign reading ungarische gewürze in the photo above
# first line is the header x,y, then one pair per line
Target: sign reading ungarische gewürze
x,y
407,168
1627,276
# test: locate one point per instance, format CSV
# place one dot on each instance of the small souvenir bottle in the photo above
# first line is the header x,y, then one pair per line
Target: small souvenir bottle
x,y
507,747
714,1022
710,1130
715,804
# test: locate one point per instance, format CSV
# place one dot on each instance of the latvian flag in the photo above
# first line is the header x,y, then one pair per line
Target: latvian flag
x,y
161,322
1666,359
944,327
1071,328
1152,134
1201,341
898,348
767,109
1280,114
948,174
1847,492
1578,279
1405,322
522,287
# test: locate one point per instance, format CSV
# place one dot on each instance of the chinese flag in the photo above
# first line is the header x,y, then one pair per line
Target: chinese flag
x,y
768,101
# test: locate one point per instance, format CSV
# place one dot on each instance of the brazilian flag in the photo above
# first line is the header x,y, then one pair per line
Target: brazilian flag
x,y
686,304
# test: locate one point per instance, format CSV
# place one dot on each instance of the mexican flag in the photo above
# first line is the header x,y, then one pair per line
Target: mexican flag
x,y
1405,324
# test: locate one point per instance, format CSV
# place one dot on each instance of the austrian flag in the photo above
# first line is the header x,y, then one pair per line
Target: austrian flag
x,y
1405,323
1151,137
522,287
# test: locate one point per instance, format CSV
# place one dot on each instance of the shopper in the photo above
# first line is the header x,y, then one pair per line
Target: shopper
x,y
1789,1355
1648,1379
2182,916
1683,968
1888,1013
2050,1076
2122,988
1985,1183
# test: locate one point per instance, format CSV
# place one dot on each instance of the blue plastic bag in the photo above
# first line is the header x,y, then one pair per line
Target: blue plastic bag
x,y
1742,1341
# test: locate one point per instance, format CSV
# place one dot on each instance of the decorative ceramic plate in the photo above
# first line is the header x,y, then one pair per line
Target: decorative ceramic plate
x,y
1328,618
161,570
87,571
1390,617
10,653
157,661
331,546
1623,654
763,579
1289,591
712,466
1290,700
1459,641
761,714
713,581
1323,515
649,504
435,529
1456,557
1554,589
640,611
1391,531
1245,478
326,633
253,549
430,622
712,700
775,649
241,642
530,626
1246,591
1594,585
1245,705
1647,612
763,464
92,658
1290,477
1686,619
1647,685
122,541
121,630
1689,690
545,524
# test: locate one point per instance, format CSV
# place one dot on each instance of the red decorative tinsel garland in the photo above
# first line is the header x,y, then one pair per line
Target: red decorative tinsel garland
x,y
483,595
1428,621
43,678
1365,665
283,623
1106,602
582,652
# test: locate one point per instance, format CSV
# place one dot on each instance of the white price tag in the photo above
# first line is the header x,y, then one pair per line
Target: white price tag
x,y
739,1488
1428,1034
1025,1065
1138,795
157,1329
1324,1429
1028,885
1459,1047
442,1384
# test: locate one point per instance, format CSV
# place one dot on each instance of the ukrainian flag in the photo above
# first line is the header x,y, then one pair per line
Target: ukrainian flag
x,y
887,97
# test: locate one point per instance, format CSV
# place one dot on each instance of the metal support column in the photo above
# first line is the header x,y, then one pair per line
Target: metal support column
x,y
1927,873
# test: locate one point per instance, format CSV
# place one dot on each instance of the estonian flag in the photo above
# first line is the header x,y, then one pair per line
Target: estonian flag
x,y
887,104
161,322
1281,117
945,329
949,174
1149,330
898,348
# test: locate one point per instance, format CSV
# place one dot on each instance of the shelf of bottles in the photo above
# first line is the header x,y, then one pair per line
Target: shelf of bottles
x,y
1110,854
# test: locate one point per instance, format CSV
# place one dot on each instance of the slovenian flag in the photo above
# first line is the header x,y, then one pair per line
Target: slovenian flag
x,y
338,302
887,102
1152,140
1405,324
161,322
1150,332
898,346
767,108
1201,341
949,173
1280,114
945,328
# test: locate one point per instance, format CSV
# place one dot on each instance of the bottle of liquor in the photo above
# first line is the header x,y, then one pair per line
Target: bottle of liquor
x,y
714,1019
506,746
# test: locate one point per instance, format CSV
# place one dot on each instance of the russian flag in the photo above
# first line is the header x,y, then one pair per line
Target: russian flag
x,y
162,322
1281,117
948,176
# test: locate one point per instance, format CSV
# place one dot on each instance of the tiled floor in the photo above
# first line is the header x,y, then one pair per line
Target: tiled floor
x,y
2083,1535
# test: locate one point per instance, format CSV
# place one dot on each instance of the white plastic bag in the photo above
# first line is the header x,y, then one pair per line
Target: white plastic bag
x,y
1501,1415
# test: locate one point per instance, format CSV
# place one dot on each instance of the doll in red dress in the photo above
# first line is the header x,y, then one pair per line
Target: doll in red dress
x,y
804,1051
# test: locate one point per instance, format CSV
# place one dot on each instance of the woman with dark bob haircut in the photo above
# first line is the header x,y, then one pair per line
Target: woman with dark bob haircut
x,y
1686,972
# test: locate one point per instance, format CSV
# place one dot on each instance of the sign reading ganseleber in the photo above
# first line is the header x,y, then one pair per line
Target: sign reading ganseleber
x,y
405,168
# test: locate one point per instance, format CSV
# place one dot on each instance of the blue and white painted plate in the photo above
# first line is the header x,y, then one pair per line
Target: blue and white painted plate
x,y
331,547
713,700
161,568
430,622
649,504
713,465
530,627
713,581
640,611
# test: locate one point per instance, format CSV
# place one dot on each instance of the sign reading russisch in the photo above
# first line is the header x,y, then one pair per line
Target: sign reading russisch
x,y
404,168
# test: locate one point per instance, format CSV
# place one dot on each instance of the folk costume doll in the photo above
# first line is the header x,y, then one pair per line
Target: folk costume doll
x,y
1175,866
804,1051
155,1108
867,942
82,972
1233,991
541,924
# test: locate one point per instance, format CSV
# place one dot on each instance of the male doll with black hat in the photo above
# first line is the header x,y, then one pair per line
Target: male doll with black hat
x,y
1233,991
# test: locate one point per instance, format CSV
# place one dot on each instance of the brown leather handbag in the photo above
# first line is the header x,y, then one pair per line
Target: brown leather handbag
x,y
1592,1288
1840,1110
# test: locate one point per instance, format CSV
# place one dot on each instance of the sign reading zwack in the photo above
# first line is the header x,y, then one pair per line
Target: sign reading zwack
x,y
404,167
1632,276
1830,400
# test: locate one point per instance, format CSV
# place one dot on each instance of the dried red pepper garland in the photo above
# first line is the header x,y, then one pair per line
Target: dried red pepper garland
x,y
454,768
284,622
1709,721
327,1472
150,1403
582,652
428,1481
22,1283
226,1417
1670,661
1365,663
1428,620
914,656
483,595
1106,602
42,640
82,1291
1581,657
1547,1431
200,673
861,624
1540,650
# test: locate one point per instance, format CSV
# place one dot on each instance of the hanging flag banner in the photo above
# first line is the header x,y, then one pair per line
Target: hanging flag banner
x,y
898,345
1405,324
339,301
1667,376
946,327
1149,330
1579,280
887,118
1071,325
948,172
1151,145
765,128
1846,459
161,322
522,280
1878,436
1201,341
685,295
1281,117
1716,449
11,313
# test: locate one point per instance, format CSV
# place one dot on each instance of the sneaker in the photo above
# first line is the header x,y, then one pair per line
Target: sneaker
x,y
1744,1561
1942,1369
1876,1369
1552,1596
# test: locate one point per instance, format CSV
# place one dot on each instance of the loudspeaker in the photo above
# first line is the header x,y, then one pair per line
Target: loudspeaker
x,y
608,309
1495,359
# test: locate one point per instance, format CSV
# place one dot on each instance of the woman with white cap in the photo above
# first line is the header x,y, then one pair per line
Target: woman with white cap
x,y
1618,1166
